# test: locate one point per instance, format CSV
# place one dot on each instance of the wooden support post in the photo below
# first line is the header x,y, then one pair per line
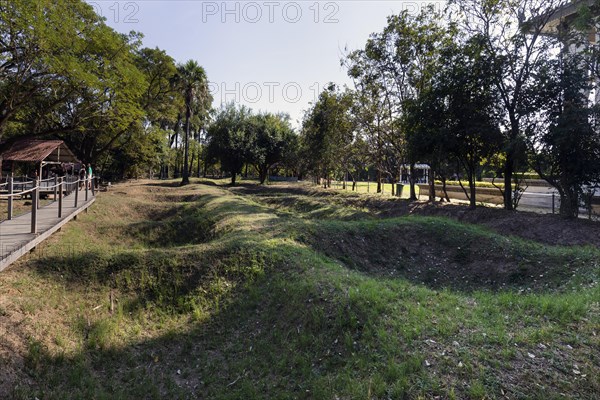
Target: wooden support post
x,y
60,196
10,198
76,192
55,187
86,190
34,206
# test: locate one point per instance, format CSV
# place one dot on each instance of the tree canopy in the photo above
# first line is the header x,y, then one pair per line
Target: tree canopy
x,y
489,89
65,74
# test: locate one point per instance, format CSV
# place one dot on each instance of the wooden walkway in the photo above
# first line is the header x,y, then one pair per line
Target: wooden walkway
x,y
16,238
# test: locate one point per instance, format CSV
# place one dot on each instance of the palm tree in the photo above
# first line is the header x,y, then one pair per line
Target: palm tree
x,y
192,79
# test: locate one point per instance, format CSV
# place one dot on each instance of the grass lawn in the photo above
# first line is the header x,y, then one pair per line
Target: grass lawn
x,y
214,293
371,187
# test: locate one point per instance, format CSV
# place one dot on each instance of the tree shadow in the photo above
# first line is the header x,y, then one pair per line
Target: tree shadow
x,y
164,184
441,254
230,348
177,183
242,317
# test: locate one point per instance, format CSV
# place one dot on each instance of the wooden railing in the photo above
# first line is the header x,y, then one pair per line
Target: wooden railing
x,y
58,185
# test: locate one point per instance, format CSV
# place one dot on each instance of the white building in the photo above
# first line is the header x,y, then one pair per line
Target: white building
x,y
561,21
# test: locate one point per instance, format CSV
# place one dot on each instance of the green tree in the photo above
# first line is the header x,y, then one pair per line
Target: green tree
x,y
161,98
566,147
372,115
470,111
271,138
229,137
395,67
194,85
427,139
327,131
516,47
456,120
65,72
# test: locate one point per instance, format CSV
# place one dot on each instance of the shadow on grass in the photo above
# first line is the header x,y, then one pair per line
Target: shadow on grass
x,y
176,226
258,328
258,316
441,253
310,208
289,324
165,184
270,190
177,183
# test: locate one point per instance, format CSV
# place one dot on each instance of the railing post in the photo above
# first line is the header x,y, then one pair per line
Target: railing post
x,y
60,196
9,212
55,187
86,189
93,186
34,207
76,192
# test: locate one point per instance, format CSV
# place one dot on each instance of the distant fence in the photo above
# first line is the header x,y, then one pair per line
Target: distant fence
x,y
541,201
549,203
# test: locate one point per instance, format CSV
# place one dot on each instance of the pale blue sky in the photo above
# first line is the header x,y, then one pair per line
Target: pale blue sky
x,y
270,55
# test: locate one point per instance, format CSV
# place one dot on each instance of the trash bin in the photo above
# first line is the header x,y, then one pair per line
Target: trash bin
x,y
399,187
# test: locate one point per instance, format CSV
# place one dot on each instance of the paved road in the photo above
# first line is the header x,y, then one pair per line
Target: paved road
x,y
540,197
544,199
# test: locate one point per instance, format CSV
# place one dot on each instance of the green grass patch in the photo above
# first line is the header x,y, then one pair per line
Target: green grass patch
x,y
197,292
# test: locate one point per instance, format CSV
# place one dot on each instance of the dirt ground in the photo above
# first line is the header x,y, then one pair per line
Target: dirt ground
x,y
543,228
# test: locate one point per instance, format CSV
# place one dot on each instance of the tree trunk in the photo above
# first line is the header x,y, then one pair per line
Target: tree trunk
x,y
413,192
232,178
191,167
431,185
473,191
569,202
445,191
508,173
188,113
262,172
378,181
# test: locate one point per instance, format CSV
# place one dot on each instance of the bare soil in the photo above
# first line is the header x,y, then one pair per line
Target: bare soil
x,y
466,263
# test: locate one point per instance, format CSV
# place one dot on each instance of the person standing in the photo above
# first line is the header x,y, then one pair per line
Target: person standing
x,y
89,176
82,177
